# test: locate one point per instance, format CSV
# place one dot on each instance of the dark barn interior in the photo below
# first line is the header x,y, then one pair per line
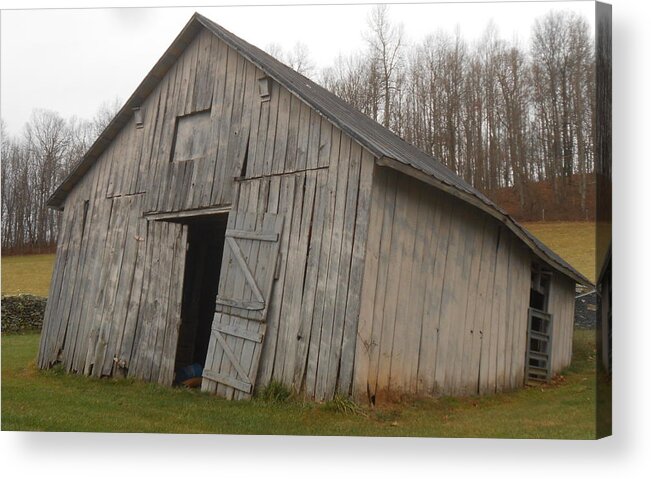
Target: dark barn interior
x,y
201,279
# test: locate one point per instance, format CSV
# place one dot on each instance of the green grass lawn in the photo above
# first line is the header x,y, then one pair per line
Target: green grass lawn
x,y
53,401
29,274
573,241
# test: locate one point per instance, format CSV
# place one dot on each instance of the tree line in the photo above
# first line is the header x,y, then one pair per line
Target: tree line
x,y
33,165
498,114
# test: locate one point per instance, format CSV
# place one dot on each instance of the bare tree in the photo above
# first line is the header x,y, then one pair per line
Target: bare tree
x,y
298,58
561,54
47,140
385,41
513,81
498,114
33,165
105,114
275,50
354,79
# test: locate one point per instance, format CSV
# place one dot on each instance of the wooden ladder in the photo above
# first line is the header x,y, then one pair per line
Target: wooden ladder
x,y
538,364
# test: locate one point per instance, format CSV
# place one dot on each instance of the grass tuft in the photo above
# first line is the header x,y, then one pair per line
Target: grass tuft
x,y
341,404
57,370
275,392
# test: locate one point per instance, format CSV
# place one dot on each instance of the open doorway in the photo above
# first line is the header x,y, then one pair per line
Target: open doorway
x,y
201,279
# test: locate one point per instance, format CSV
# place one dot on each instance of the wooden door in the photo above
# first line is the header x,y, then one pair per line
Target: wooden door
x,y
248,269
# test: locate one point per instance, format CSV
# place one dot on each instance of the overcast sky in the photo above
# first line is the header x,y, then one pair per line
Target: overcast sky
x,y
73,60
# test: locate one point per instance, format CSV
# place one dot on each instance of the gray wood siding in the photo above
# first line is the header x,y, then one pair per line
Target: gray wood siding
x,y
561,305
116,290
444,298
115,298
209,75
309,342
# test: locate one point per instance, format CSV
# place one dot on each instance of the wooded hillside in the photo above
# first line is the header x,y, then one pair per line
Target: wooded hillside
x,y
499,114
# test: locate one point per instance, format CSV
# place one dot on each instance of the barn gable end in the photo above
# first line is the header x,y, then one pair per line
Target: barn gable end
x,y
116,300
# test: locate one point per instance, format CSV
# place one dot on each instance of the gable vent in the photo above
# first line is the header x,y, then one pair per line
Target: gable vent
x,y
264,86
137,114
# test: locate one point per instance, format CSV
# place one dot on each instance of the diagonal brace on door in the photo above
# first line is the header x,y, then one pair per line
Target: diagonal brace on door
x,y
231,356
248,276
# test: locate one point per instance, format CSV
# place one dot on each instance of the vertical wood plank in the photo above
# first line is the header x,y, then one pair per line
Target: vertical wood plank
x,y
399,245
222,172
363,345
324,260
389,214
297,285
434,287
303,136
328,321
292,134
277,161
311,277
341,320
285,207
270,143
415,302
353,303
407,225
467,373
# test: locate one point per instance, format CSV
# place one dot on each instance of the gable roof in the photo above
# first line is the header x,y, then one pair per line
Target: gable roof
x,y
389,148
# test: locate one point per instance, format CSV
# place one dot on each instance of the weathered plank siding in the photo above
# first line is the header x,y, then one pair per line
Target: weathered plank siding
x,y
312,319
210,76
114,303
116,292
445,296
561,305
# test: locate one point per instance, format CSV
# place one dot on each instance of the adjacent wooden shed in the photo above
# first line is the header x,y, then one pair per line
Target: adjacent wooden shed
x,y
237,215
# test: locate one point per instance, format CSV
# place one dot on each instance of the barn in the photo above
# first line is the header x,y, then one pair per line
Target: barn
x,y
238,216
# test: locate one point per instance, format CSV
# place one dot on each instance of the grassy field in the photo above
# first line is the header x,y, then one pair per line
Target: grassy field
x,y
53,401
27,274
573,241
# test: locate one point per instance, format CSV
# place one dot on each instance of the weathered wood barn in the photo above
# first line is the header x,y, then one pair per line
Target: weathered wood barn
x,y
237,215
